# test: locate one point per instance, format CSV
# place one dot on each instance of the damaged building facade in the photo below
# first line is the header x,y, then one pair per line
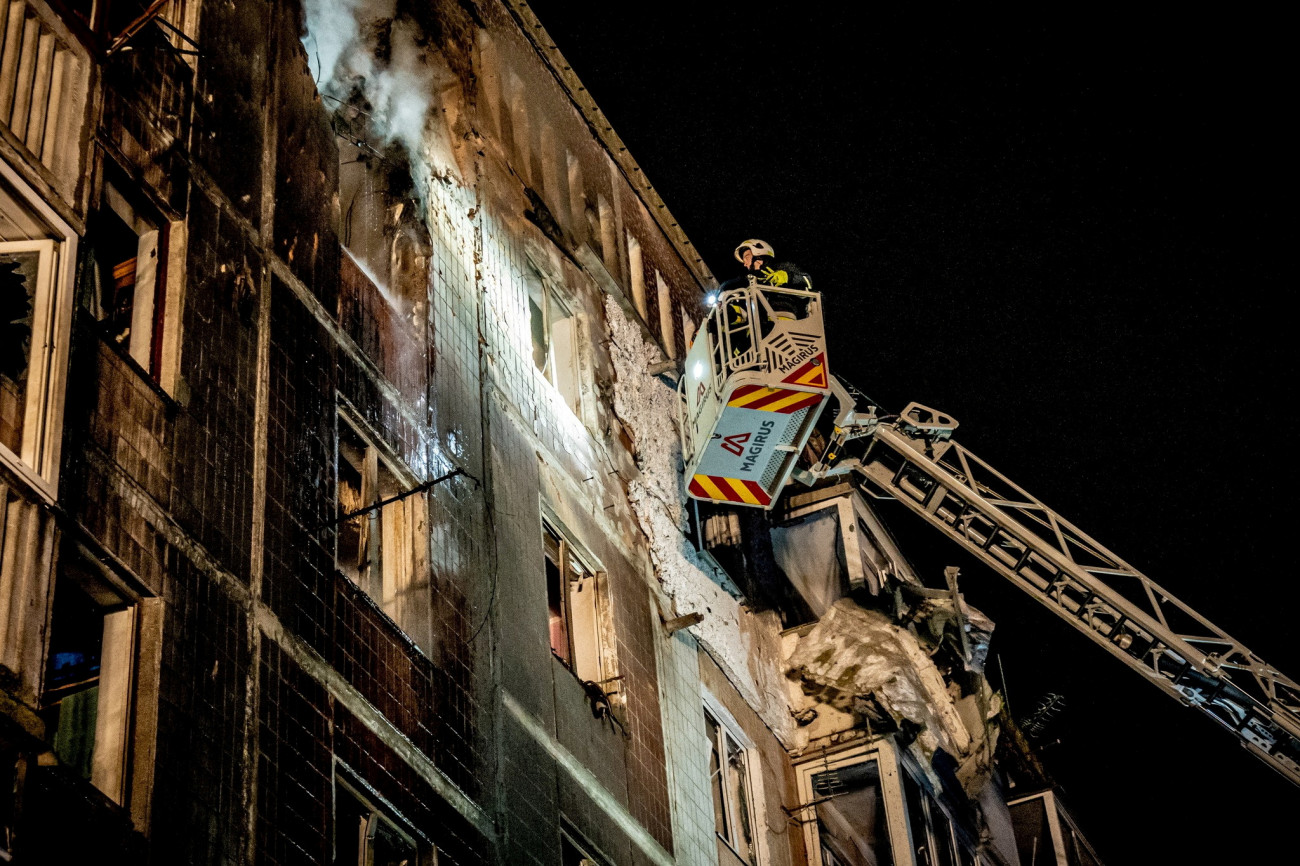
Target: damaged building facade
x,y
342,516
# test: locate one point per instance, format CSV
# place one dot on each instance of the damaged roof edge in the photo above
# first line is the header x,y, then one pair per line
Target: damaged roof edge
x,y
605,134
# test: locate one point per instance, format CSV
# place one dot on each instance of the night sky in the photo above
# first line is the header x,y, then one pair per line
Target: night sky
x,y
1070,234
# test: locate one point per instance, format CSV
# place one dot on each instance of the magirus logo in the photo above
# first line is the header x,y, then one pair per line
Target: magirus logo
x,y
735,443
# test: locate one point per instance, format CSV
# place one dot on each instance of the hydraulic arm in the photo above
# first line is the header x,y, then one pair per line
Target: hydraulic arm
x,y
912,458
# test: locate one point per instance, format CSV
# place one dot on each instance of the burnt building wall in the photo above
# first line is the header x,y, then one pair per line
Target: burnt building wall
x,y
353,308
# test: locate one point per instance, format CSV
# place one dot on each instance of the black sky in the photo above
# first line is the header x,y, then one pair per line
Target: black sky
x,y
1073,233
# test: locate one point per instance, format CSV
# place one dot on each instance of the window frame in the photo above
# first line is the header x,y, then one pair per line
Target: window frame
x,y
126,774
380,808
552,296
730,731
379,461
929,805
37,458
158,362
601,627
884,755
579,846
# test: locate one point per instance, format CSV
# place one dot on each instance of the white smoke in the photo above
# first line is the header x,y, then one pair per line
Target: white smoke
x,y
342,41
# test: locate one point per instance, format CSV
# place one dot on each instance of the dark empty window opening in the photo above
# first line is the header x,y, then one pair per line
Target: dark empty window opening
x,y
87,697
852,827
365,836
127,296
573,855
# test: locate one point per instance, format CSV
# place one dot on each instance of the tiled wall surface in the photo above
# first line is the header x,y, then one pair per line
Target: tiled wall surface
x,y
218,495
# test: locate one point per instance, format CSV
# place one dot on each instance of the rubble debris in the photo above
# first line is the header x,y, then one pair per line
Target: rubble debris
x,y
853,653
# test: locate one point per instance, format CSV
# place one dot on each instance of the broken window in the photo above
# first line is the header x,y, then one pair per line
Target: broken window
x,y
365,836
852,812
36,253
577,613
572,855
852,827
127,298
384,549
382,220
555,334
933,835
91,667
732,801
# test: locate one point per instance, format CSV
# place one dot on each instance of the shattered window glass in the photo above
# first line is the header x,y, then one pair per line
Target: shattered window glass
x,y
555,334
382,549
851,823
557,610
732,800
31,270
577,613
364,836
722,822
18,285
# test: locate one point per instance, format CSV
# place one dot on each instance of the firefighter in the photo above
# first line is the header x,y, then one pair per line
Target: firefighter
x,y
758,259
759,262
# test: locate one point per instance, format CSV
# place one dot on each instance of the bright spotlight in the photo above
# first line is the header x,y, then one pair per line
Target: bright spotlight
x,y
711,298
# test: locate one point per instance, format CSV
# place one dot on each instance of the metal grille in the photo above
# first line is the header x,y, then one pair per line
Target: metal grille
x,y
787,436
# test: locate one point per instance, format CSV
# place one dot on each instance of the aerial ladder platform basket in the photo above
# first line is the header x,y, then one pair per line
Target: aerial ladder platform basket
x,y
755,382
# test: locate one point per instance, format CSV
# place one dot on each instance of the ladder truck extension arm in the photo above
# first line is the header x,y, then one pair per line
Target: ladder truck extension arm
x,y
754,389
913,458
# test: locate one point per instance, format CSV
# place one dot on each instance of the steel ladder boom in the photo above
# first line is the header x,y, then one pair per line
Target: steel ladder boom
x,y
1138,621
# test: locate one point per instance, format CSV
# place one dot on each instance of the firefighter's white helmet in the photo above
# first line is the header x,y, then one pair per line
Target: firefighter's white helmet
x,y
759,248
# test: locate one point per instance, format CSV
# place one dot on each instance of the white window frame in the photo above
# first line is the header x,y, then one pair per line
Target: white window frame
x,y
380,582
127,703
599,630
730,728
882,752
568,384
37,462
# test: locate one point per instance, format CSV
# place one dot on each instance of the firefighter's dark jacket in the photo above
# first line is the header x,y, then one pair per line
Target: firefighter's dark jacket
x,y
767,275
